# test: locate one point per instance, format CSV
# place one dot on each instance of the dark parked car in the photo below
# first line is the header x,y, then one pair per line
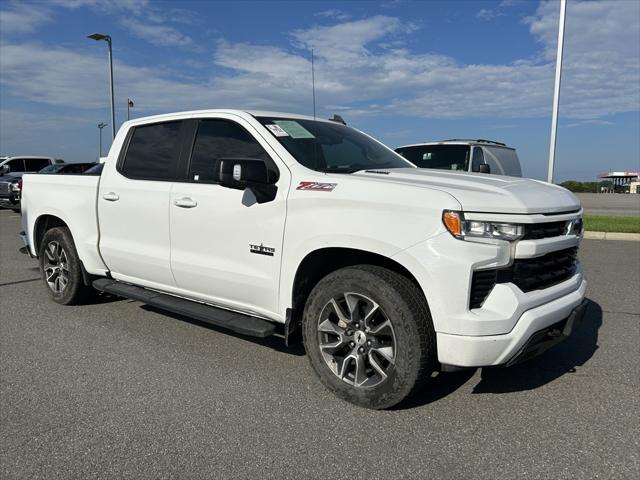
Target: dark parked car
x,y
68,168
11,171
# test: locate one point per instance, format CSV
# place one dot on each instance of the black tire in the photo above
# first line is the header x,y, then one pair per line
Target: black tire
x,y
74,291
404,306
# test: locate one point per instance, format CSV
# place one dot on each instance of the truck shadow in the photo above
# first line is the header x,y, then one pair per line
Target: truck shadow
x,y
559,360
562,359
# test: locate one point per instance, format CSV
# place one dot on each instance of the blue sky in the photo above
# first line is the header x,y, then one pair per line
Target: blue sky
x,y
402,71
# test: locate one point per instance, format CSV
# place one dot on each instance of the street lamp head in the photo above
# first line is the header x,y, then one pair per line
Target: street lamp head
x,y
99,36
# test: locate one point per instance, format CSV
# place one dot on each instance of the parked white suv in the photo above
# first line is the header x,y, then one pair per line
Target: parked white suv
x,y
250,219
482,156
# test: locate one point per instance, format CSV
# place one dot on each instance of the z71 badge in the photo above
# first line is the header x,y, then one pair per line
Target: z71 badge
x,y
262,250
321,187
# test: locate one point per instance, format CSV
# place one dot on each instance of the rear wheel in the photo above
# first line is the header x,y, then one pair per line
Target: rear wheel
x,y
369,335
60,268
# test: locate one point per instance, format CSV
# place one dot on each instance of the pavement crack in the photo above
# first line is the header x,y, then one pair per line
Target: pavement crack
x,y
19,281
624,313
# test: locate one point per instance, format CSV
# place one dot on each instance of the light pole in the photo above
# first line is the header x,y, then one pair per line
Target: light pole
x,y
129,106
107,38
101,126
556,91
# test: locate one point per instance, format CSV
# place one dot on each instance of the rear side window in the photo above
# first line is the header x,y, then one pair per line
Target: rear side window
x,y
153,152
16,165
218,139
35,164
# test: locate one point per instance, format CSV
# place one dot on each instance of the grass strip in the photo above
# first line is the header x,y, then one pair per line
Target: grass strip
x,y
609,223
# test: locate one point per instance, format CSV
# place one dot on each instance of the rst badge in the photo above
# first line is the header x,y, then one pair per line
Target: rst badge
x,y
262,250
321,187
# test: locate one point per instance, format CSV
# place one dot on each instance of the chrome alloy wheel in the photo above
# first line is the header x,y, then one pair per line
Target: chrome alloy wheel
x,y
356,340
56,267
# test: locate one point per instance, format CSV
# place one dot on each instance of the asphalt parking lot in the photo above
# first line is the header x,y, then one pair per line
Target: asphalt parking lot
x,y
117,390
610,204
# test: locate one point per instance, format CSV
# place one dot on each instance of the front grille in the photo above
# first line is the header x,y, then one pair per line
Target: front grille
x,y
536,231
527,274
542,272
4,188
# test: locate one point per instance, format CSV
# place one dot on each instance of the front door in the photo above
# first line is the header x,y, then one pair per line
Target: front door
x,y
225,247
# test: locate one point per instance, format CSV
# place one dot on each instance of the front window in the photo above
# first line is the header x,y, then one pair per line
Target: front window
x,y
442,157
331,147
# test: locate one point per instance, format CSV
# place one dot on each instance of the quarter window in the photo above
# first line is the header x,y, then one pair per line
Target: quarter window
x,y
218,139
153,151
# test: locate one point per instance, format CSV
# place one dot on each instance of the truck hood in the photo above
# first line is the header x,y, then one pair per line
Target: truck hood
x,y
478,192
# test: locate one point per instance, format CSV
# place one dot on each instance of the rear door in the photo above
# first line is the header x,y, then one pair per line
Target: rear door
x,y
225,247
133,204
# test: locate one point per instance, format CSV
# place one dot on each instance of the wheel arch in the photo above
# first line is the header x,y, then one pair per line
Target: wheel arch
x,y
44,223
319,263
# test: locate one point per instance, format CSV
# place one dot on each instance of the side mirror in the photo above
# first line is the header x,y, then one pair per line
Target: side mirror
x,y
247,173
5,169
484,168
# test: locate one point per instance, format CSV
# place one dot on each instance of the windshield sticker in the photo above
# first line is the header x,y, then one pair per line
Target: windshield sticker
x,y
320,187
293,129
277,131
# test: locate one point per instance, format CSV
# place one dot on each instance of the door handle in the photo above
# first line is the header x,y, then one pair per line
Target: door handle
x,y
185,202
111,197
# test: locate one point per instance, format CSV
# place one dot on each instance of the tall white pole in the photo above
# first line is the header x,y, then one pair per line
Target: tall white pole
x,y
113,106
313,84
556,91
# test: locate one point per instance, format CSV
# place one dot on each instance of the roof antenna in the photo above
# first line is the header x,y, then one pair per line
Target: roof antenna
x,y
313,85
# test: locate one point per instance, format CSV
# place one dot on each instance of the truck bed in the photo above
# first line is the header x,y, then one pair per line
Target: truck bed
x,y
72,198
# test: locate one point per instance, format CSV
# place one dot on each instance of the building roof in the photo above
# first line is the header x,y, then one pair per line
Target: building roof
x,y
619,175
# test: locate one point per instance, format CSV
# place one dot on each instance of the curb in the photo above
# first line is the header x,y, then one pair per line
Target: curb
x,y
629,237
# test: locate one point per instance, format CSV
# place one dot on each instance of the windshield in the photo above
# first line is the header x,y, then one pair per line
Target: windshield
x,y
51,168
331,147
443,157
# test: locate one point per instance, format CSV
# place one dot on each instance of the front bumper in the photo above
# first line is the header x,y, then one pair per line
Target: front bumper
x,y
546,338
10,200
533,333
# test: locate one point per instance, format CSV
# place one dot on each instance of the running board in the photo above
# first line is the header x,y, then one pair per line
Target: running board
x,y
237,322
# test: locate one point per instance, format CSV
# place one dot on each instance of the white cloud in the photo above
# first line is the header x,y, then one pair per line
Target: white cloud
x,y
131,6
488,14
362,69
334,13
157,34
22,18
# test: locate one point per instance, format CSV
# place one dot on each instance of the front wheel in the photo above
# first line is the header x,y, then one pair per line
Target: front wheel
x,y
369,336
60,268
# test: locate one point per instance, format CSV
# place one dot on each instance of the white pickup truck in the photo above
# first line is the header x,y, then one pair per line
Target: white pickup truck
x,y
247,220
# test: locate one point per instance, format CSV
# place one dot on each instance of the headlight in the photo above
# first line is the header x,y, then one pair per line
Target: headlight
x,y
462,229
15,187
574,227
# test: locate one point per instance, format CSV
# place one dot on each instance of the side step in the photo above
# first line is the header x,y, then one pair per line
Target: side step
x,y
237,322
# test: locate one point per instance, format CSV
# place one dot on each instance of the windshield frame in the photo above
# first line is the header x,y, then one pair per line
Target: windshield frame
x,y
355,139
